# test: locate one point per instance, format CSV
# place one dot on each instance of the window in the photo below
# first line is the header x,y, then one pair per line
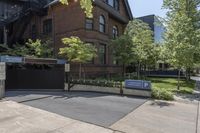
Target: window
x,y
33,31
115,62
114,4
102,25
102,54
110,2
115,32
47,26
89,24
92,60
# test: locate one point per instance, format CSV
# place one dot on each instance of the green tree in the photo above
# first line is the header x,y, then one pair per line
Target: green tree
x,y
39,49
142,40
85,4
122,51
77,51
182,37
154,56
17,50
31,49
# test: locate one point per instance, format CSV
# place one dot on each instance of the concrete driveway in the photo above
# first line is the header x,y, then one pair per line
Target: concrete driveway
x,y
20,118
113,114
95,108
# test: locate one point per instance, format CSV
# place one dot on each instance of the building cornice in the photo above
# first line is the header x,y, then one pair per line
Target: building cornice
x,y
110,10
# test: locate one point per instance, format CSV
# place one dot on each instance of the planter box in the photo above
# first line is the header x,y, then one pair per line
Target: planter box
x,y
137,92
90,88
95,89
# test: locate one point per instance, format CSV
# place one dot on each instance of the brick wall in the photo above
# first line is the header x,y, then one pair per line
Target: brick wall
x,y
70,21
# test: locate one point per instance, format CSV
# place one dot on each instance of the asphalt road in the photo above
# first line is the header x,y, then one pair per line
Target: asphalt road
x,y
99,109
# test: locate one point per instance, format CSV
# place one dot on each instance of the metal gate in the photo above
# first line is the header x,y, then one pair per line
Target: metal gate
x,y
31,79
34,73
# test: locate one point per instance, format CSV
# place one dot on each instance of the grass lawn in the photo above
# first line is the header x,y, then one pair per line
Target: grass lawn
x,y
165,88
170,84
162,88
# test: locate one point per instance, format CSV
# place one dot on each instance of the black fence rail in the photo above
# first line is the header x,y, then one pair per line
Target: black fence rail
x,y
162,73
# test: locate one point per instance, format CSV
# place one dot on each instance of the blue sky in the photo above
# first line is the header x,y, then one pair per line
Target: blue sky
x,y
146,7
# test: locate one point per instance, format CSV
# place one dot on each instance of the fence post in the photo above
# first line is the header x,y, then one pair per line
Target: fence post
x,y
69,85
121,88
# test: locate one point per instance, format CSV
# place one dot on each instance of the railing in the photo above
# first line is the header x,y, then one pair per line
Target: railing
x,y
13,17
36,5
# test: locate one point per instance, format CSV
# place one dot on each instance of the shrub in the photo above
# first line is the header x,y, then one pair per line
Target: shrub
x,y
102,83
162,94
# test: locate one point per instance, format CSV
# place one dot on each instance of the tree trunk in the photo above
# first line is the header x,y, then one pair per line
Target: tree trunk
x,y
138,70
124,71
189,74
179,74
83,67
80,70
145,71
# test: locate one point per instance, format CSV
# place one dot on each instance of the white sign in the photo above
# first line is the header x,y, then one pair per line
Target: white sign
x,y
2,71
67,67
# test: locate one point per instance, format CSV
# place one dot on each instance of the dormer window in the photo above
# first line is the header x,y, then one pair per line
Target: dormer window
x,y
114,4
110,2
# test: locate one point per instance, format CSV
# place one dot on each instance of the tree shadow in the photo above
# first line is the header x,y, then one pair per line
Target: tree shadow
x,y
161,104
23,96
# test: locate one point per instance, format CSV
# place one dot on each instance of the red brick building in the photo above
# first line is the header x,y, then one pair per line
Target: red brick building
x,y
110,18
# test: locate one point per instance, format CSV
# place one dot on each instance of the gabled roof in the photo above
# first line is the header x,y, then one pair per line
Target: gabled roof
x,y
128,9
51,3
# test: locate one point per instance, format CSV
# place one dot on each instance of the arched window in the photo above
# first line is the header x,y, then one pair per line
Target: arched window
x,y
115,32
102,24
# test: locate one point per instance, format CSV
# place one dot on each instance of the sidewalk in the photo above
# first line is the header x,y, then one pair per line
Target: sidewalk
x,y
161,117
151,117
19,118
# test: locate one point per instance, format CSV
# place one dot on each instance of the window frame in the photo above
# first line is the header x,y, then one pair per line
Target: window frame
x,y
93,59
115,4
115,32
102,54
47,26
91,24
33,31
102,25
